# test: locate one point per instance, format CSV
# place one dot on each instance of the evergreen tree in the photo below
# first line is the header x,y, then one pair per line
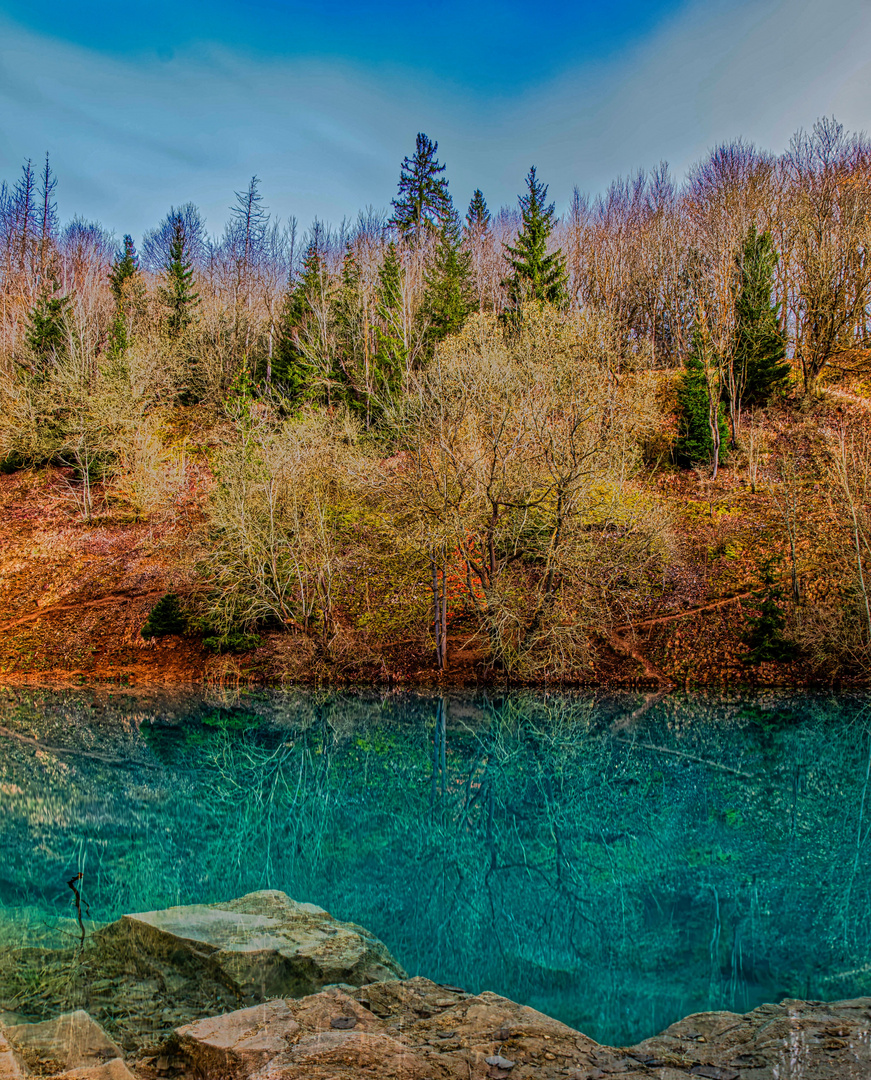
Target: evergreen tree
x,y
302,357
121,275
765,630
125,266
449,296
351,335
391,354
695,443
478,215
178,294
760,345
535,274
47,327
423,204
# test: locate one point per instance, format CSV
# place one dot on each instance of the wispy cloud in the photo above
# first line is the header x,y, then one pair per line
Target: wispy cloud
x,y
129,136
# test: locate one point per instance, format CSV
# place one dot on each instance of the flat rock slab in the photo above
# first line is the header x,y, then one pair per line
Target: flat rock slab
x,y
415,1029
70,1041
263,945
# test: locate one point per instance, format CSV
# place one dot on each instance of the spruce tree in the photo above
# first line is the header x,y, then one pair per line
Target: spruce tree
x,y
535,273
391,355
449,296
123,271
352,336
178,294
478,215
47,327
423,204
124,267
760,345
297,363
695,443
764,636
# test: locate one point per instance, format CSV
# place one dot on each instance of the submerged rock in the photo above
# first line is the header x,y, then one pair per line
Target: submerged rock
x,y
260,946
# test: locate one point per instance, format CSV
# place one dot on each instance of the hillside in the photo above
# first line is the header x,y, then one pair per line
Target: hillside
x,y
76,595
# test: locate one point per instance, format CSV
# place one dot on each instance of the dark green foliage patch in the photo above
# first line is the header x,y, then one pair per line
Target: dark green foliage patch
x,y
166,617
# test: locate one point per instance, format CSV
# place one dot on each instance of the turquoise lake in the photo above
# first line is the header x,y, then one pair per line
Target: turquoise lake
x,y
615,861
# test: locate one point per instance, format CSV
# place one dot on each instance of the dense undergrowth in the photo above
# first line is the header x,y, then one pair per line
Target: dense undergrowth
x,y
503,446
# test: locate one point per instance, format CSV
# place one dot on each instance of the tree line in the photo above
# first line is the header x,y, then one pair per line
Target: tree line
x,y
681,270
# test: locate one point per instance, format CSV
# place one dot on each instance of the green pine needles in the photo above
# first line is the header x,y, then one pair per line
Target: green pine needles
x,y
765,630
293,364
422,205
122,275
166,617
478,215
536,274
449,298
47,326
699,409
760,344
178,294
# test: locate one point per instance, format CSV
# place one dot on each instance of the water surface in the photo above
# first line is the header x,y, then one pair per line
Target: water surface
x,y
615,863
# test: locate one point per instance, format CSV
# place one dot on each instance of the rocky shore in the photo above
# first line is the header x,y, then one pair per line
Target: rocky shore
x,y
264,988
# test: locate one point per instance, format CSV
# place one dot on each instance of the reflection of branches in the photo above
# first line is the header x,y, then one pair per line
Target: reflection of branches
x,y
78,901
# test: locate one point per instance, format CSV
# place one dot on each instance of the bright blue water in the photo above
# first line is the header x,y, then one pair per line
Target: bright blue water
x,y
615,872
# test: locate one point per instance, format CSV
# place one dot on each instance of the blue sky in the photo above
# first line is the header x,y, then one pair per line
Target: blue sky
x,y
146,105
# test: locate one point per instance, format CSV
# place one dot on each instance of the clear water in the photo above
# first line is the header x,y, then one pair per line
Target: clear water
x,y
616,871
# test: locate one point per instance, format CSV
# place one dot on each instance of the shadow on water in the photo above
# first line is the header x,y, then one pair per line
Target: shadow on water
x,y
615,863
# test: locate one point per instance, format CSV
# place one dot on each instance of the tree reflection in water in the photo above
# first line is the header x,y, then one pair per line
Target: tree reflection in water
x,y
615,865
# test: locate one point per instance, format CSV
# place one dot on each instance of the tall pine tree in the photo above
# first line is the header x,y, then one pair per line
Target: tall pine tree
x,y
47,326
449,295
478,215
391,354
698,406
422,204
535,274
760,345
302,362
177,293
123,273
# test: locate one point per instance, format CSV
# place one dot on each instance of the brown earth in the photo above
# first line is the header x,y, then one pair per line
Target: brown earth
x,y
74,596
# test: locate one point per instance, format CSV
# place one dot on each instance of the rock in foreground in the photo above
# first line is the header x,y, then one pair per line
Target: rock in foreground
x,y
262,945
70,1047
418,1030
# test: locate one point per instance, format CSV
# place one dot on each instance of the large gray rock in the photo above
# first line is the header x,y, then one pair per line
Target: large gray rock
x,y
71,1041
263,945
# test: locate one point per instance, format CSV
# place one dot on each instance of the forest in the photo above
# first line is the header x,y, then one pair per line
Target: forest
x,y
465,443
